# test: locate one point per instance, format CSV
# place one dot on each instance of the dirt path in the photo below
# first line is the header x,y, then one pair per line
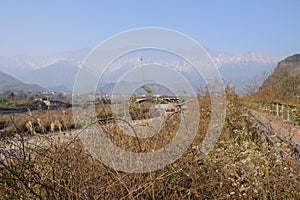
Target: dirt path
x,y
281,125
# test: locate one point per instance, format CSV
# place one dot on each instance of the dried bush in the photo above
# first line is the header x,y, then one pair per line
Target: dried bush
x,y
241,166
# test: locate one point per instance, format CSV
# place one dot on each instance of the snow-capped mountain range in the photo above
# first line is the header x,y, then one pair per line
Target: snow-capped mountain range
x,y
19,63
59,70
221,59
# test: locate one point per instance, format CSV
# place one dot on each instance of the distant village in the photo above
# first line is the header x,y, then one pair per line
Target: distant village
x,y
17,102
49,100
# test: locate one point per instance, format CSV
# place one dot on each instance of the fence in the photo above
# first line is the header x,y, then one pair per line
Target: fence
x,y
290,113
274,136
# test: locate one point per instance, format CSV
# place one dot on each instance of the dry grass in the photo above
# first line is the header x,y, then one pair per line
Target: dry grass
x,y
41,122
242,166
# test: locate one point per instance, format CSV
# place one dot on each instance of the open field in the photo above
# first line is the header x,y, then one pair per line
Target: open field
x,y
42,122
241,166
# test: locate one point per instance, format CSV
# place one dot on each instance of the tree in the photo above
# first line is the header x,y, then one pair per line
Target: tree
x,y
10,95
148,90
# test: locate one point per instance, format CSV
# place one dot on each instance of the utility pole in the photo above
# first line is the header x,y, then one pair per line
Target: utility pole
x,y
141,60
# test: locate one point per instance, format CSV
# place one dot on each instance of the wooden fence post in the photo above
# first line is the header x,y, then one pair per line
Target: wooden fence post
x,y
296,117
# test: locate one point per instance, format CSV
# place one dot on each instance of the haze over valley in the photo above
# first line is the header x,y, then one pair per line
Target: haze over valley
x,y
58,72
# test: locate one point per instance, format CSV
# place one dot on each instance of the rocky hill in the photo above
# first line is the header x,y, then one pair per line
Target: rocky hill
x,y
285,80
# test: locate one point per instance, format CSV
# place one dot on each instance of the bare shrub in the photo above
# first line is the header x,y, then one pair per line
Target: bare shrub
x,y
240,167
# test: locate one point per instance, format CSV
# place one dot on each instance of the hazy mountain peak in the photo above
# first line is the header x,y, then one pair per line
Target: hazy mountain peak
x,y
243,58
60,69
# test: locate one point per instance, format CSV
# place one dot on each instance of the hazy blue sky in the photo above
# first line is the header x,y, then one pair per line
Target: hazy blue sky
x,y
40,27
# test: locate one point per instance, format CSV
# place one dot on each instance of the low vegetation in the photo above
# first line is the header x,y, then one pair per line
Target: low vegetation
x,y
40,121
241,166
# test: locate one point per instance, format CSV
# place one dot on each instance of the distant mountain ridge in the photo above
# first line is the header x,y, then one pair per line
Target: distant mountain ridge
x,y
221,59
59,71
59,75
17,65
5,78
9,83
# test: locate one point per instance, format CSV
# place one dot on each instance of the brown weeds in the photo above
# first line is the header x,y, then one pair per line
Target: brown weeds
x,y
241,166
